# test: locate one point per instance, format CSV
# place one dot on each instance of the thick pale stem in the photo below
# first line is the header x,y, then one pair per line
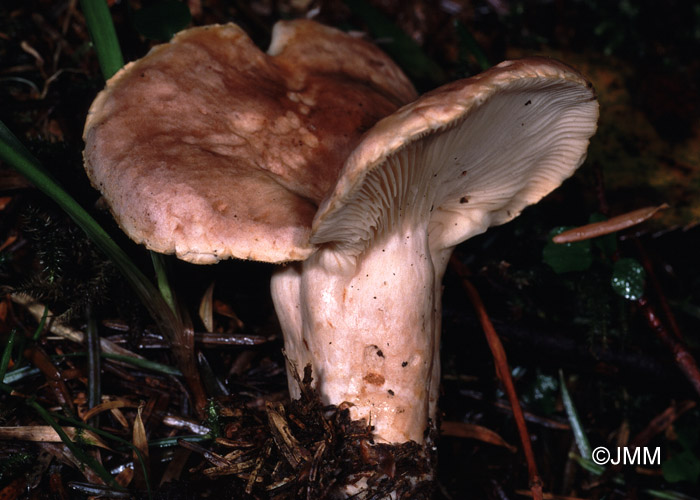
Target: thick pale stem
x,y
369,326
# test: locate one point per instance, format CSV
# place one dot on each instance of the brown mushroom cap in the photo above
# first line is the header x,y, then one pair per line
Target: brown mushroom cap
x,y
209,148
466,156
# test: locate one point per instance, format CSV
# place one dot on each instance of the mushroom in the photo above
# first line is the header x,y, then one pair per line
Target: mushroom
x,y
209,148
364,309
280,157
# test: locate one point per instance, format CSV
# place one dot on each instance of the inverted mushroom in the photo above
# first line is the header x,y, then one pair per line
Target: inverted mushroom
x,y
363,305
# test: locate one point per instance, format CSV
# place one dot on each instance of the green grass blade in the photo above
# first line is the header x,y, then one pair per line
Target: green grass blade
x,y
42,323
144,364
162,278
103,35
584,446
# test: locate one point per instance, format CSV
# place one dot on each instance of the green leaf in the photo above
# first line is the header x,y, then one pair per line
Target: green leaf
x,y
161,20
683,466
567,257
628,279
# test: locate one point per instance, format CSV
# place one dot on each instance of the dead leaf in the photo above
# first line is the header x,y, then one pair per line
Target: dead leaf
x,y
109,405
206,308
473,431
46,434
140,441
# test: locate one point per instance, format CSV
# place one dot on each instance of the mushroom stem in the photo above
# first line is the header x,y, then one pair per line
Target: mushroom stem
x,y
369,327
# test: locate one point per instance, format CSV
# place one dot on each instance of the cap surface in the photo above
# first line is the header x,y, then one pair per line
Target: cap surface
x,y
209,148
466,156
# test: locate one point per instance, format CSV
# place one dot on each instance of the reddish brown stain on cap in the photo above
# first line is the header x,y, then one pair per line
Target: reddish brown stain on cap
x,y
374,378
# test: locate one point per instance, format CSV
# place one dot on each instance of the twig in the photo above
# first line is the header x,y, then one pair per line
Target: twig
x,y
685,361
661,422
503,373
612,225
660,295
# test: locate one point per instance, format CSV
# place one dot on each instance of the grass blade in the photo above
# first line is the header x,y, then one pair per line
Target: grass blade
x,y
103,35
144,363
20,373
166,291
42,323
137,362
584,446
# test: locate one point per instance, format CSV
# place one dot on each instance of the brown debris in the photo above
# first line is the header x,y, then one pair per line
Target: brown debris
x,y
305,450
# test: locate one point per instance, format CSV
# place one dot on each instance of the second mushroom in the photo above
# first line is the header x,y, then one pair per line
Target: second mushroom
x,y
304,154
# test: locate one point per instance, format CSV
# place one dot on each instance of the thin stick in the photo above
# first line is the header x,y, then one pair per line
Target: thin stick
x,y
612,225
685,361
503,373
661,422
660,295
